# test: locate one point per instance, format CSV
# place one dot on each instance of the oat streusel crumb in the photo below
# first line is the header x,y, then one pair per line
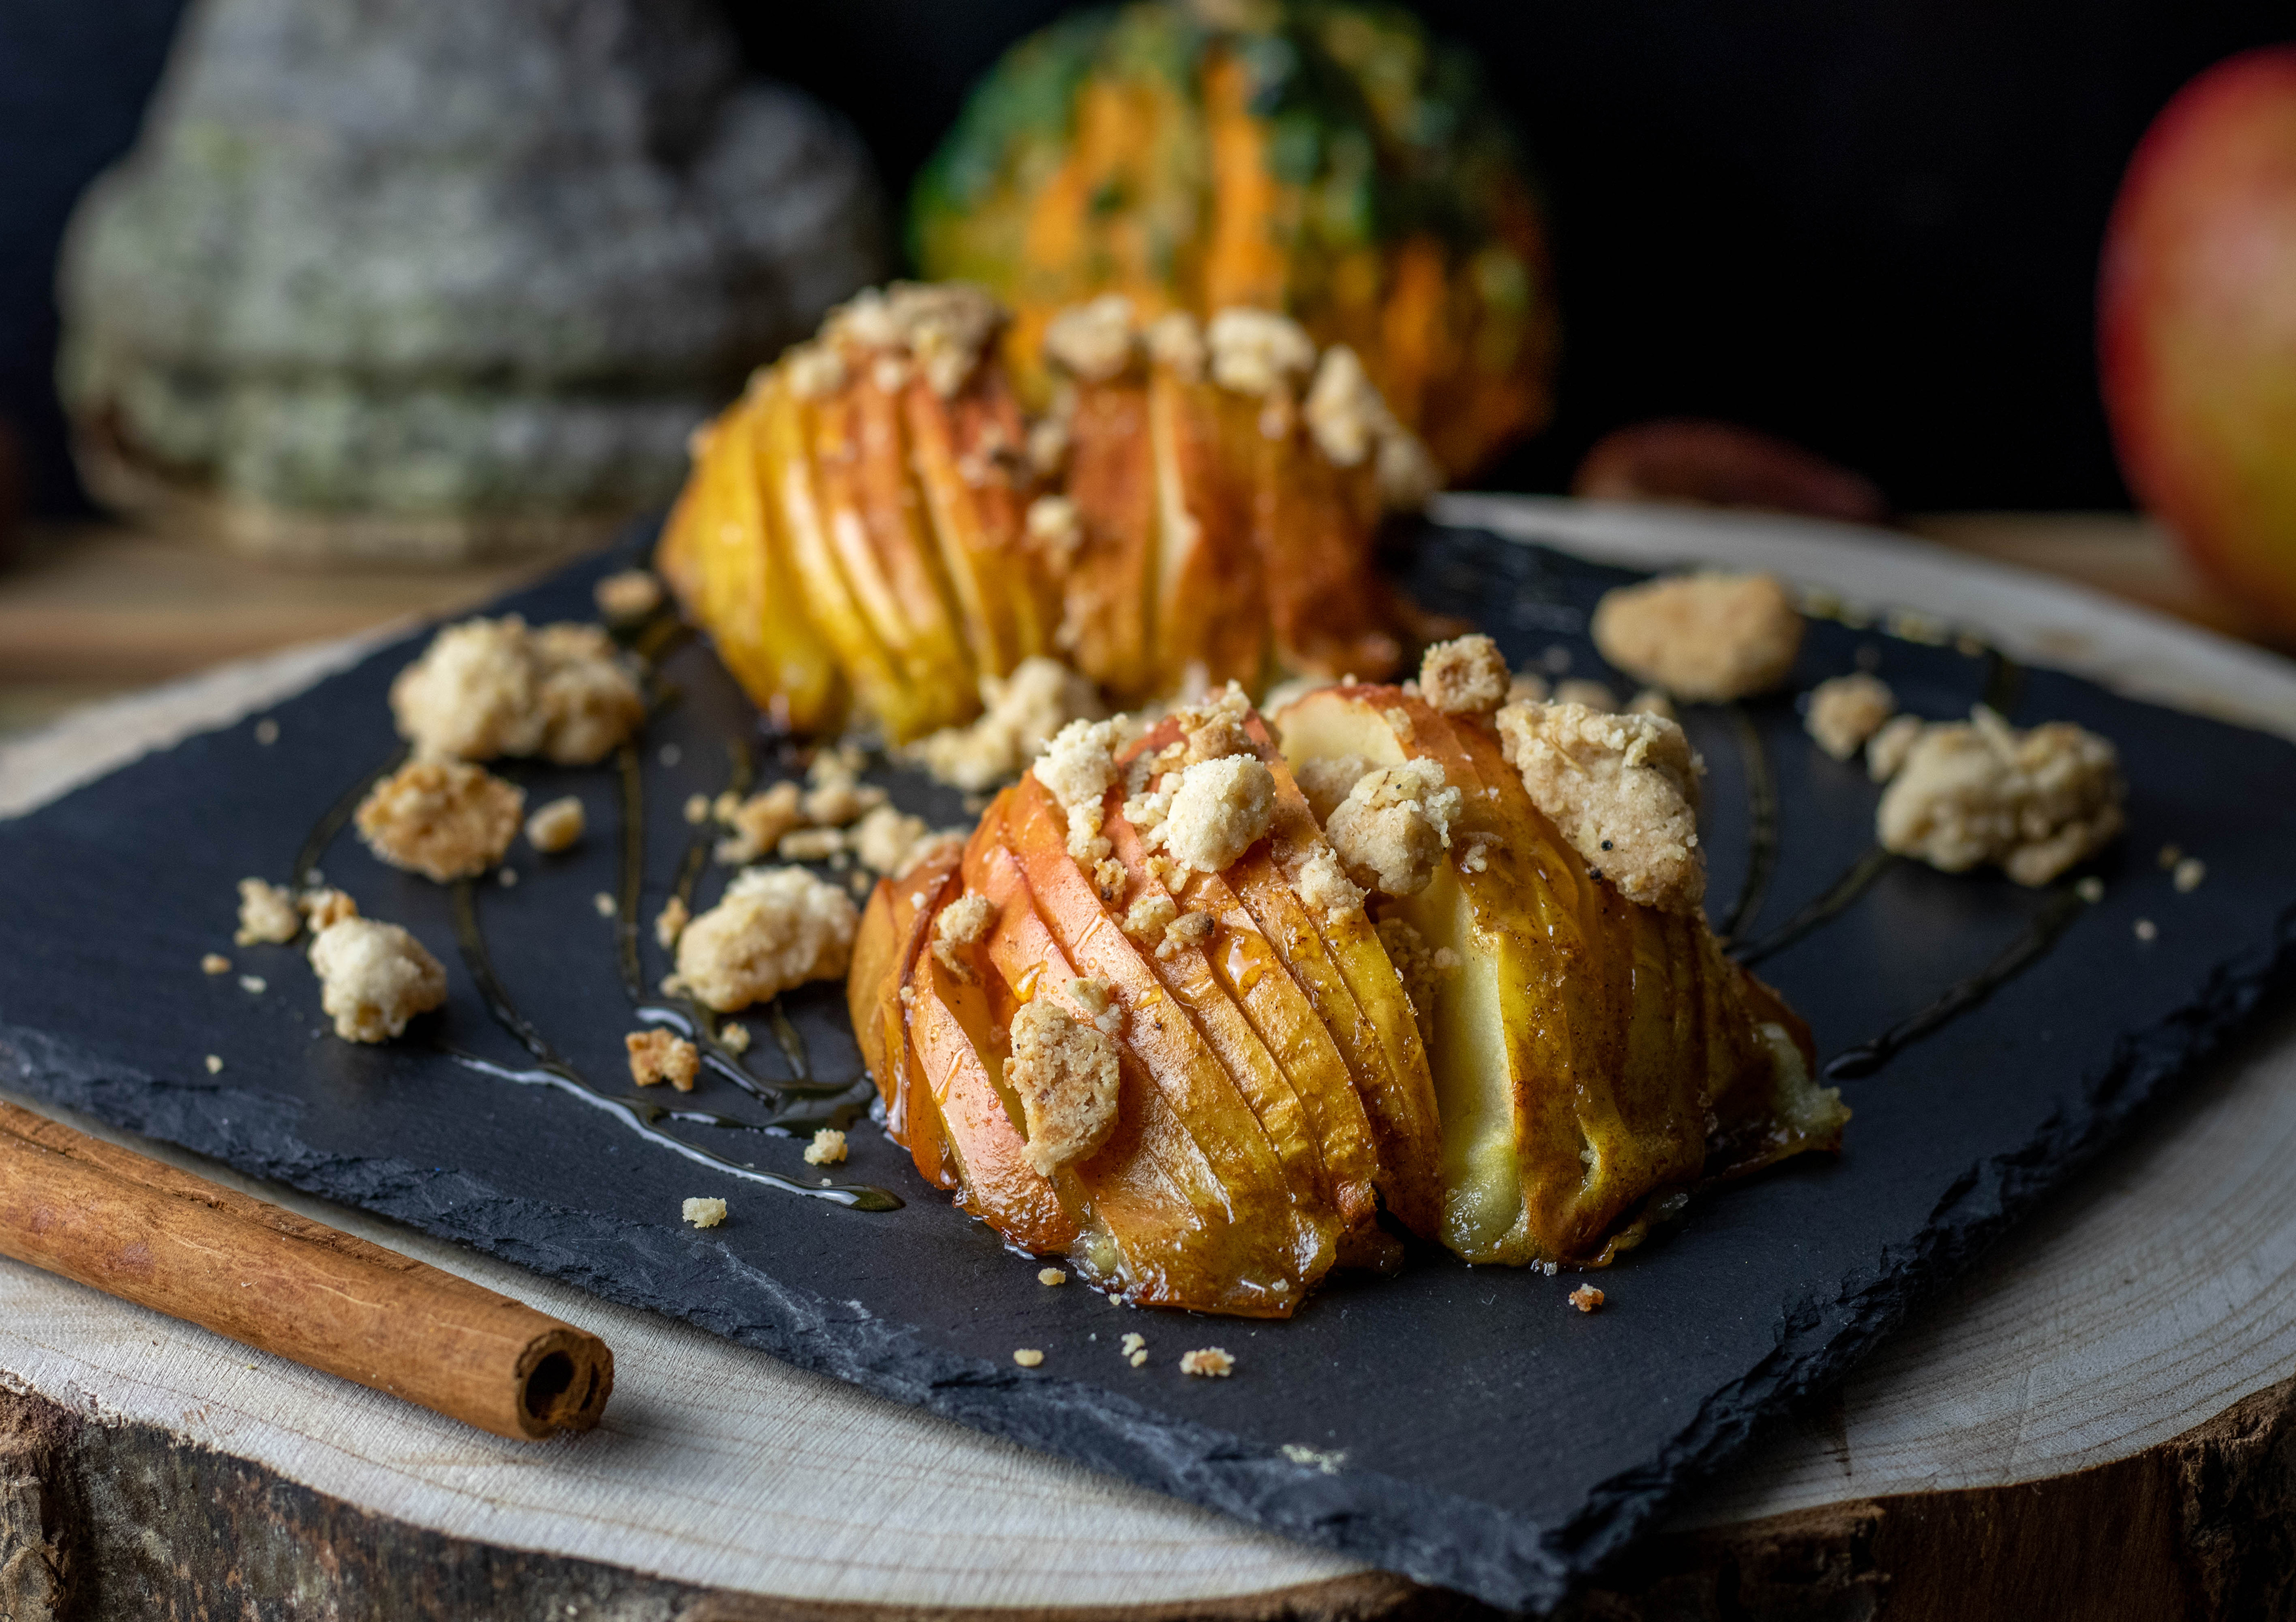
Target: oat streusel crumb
x,y
658,1055
488,688
734,1036
2188,875
214,1064
254,985
603,905
1586,1297
962,925
1466,676
557,825
703,1212
1981,793
1394,826
1028,1357
758,823
445,820
775,928
267,914
321,908
1064,1072
1185,932
1050,1276
1323,884
1150,916
1623,789
884,838
215,963
1078,767
827,1147
1887,749
1707,636
1220,810
1208,1361
1847,710
697,809
1257,352
627,597
1020,714
1095,342
811,845
373,977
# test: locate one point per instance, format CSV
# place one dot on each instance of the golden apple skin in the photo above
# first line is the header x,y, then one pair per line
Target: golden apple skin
x,y
2197,325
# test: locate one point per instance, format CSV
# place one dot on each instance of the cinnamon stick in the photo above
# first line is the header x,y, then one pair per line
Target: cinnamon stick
x,y
144,1231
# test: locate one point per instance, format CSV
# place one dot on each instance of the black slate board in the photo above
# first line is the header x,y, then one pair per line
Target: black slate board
x,y
1461,1425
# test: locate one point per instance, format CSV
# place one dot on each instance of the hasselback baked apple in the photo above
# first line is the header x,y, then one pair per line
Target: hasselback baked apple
x,y
1196,1011
874,529
1329,160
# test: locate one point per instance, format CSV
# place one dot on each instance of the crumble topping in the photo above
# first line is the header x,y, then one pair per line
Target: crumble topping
x,y
1586,1297
1020,714
1847,710
827,1147
1047,446
1065,1074
1708,635
373,977
734,1036
1092,342
1465,676
1257,352
557,825
1150,917
215,963
758,823
266,913
702,1212
775,928
1327,782
1350,421
1050,1276
322,908
1322,883
670,922
1887,749
943,327
254,985
1176,340
884,838
1623,789
445,820
811,845
1219,811
1077,766
627,597
658,1055
1982,792
963,924
1208,1363
1394,826
815,371
488,688
1028,1357
1185,932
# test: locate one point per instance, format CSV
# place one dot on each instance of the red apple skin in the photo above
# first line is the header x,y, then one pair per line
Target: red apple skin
x,y
2197,325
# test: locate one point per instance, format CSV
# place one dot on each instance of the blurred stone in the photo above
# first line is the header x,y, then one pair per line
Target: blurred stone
x,y
1711,464
430,280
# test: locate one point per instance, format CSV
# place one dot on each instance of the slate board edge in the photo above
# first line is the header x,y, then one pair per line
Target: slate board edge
x,y
1440,1538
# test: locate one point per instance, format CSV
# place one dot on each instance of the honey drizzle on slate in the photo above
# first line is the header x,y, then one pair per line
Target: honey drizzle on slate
x,y
1761,823
336,818
1837,899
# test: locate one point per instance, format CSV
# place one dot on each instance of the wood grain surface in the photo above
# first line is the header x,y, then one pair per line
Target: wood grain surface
x,y
2095,1421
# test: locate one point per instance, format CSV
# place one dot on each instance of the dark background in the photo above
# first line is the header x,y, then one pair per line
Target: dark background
x,y
1868,224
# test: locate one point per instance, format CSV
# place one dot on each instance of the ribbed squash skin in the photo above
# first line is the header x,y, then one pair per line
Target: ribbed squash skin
x,y
1328,160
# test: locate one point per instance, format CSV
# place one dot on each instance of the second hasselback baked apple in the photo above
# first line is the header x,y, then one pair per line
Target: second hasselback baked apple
x,y
1194,1010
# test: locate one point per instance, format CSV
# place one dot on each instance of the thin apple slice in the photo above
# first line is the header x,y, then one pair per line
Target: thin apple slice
x,y
887,948
1108,592
1297,1239
1210,624
969,453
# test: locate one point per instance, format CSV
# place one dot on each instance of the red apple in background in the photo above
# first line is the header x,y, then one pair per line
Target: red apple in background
x,y
2197,325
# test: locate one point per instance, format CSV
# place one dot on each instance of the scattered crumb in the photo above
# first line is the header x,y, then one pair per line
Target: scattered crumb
x,y
1466,676
1184,932
1323,884
885,837
1064,1072
827,1147
266,913
373,977
1150,917
254,985
2148,930
215,963
1394,826
507,879
734,1036
1328,1462
1586,1297
1028,1357
670,922
488,688
1594,695
811,845
1257,352
627,597
215,1064
703,1212
2090,889
2188,875
657,1055
962,925
1982,792
1078,767
1887,749
1220,810
1623,789
776,927
839,800
1706,637
1136,1359
267,732
1650,701
1051,1275
1209,1362
697,809
1132,1342
1846,711
557,825
322,907
603,905
1095,342
445,820
758,822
